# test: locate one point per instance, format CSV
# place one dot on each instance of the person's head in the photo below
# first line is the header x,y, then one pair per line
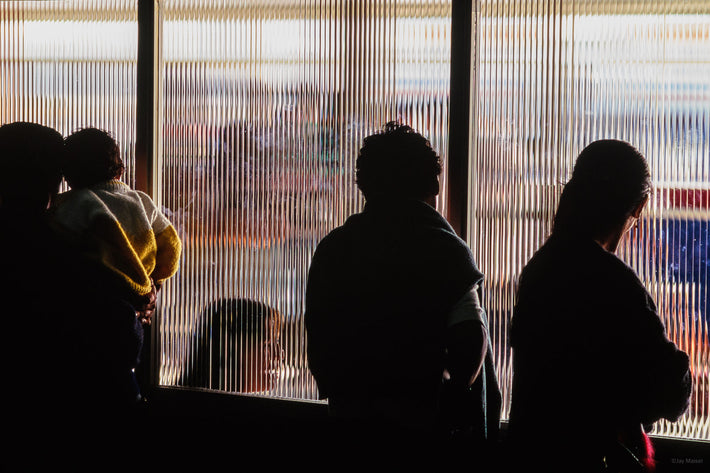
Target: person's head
x,y
252,353
399,163
91,156
610,184
30,172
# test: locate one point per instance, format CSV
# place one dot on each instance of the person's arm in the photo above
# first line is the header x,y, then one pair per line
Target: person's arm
x,y
167,257
145,311
167,242
316,322
466,341
665,370
652,371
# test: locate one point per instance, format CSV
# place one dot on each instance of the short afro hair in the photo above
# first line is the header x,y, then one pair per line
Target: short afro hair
x,y
397,162
91,156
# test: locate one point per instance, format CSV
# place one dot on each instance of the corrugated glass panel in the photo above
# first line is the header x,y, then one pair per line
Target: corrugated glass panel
x,y
556,75
70,64
264,107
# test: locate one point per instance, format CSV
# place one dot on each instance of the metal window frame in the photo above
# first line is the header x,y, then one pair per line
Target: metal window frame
x,y
147,135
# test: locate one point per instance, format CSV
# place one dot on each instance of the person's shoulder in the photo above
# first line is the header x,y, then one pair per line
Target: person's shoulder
x,y
437,242
72,197
431,227
62,198
555,258
619,271
84,199
153,212
444,249
333,239
123,191
449,239
116,189
144,197
609,273
339,241
355,224
72,209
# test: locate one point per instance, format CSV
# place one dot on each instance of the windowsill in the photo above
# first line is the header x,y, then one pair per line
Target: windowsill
x,y
217,423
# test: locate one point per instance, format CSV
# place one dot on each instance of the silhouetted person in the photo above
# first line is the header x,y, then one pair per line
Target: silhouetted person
x,y
29,180
392,313
592,364
43,306
235,347
119,229
71,343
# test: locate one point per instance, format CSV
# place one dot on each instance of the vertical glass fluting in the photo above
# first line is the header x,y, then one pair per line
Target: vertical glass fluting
x,y
70,64
554,76
265,105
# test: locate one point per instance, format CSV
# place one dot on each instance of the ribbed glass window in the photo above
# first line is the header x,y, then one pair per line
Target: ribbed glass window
x,y
264,108
556,75
69,64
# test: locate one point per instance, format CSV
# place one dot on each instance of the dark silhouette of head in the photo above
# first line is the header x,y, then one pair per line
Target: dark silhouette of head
x,y
609,181
238,347
91,156
399,163
30,172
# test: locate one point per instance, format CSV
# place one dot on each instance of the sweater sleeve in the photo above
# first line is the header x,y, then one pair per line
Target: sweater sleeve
x,y
158,221
167,258
168,244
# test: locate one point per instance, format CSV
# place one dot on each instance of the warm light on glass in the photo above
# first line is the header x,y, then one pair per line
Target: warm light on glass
x,y
264,108
71,64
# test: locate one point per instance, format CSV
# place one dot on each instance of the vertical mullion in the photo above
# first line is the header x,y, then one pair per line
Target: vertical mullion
x,y
144,154
457,193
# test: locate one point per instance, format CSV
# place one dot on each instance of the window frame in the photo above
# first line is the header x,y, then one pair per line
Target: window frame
x,y
463,85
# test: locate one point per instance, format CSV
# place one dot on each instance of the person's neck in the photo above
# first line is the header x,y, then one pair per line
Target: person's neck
x,y
396,201
610,241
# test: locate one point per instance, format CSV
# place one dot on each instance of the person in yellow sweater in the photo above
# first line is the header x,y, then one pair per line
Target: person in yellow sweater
x,y
116,227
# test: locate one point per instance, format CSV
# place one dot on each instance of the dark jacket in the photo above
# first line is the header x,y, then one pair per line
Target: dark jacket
x,y
69,351
591,358
74,342
379,291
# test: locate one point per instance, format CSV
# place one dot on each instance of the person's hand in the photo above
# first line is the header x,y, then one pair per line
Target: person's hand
x,y
145,312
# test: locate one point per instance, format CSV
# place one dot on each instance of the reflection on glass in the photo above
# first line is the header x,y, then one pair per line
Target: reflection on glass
x,y
264,107
554,76
70,64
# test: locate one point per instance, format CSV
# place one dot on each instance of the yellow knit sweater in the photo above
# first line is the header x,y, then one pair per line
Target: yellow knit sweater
x,y
121,229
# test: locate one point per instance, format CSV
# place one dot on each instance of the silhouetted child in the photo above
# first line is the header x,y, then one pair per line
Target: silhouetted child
x,y
118,228
239,337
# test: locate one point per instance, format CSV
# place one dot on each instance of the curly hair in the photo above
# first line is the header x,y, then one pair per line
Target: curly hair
x,y
397,162
610,179
91,156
